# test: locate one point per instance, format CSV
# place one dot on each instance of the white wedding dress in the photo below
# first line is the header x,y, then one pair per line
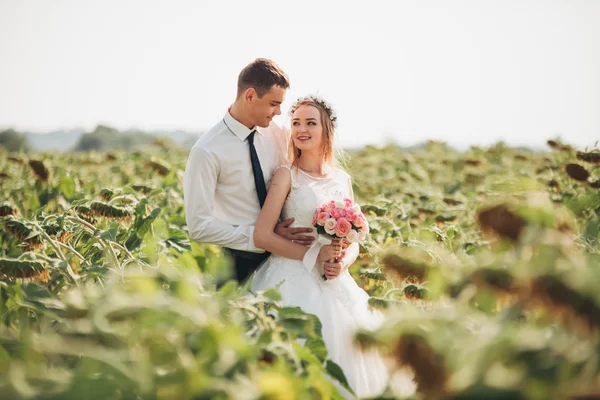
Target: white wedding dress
x,y
340,303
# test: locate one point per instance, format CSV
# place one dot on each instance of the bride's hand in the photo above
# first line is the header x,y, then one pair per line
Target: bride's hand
x,y
333,270
328,252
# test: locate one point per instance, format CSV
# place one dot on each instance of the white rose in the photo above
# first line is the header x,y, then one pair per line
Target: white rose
x,y
330,226
356,208
353,236
362,234
340,204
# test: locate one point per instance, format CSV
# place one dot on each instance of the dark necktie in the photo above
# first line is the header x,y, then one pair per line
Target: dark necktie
x,y
259,179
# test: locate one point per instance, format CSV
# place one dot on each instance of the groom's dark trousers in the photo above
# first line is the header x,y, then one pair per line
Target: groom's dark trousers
x,y
245,262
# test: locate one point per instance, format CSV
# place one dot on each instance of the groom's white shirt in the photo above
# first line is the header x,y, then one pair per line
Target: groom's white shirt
x,y
221,203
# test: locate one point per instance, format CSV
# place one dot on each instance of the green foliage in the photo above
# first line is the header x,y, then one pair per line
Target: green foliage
x,y
484,263
492,286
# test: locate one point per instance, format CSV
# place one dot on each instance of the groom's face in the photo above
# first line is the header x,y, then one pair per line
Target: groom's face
x,y
265,108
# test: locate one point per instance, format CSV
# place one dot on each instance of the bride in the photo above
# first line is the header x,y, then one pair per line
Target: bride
x,y
296,190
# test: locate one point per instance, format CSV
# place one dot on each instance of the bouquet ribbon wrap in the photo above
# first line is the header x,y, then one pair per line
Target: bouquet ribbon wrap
x,y
310,258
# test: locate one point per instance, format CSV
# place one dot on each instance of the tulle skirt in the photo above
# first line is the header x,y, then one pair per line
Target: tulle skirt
x,y
342,307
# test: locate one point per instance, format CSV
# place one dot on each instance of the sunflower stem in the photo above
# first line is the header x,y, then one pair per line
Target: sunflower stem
x,y
56,248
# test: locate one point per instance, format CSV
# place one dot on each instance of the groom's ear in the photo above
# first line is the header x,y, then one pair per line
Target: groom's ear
x,y
250,94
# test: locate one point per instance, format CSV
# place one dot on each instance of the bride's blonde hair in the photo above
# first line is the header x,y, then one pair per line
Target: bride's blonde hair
x,y
328,121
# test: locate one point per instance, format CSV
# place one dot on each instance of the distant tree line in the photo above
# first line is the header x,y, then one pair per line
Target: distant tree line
x,y
106,138
102,138
14,141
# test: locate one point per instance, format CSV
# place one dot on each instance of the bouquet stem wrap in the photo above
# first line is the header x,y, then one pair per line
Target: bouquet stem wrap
x,y
310,259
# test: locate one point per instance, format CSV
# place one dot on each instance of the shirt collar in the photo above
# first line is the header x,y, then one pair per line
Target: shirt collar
x,y
240,130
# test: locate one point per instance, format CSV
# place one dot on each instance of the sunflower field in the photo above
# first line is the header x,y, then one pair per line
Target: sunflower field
x,y
485,263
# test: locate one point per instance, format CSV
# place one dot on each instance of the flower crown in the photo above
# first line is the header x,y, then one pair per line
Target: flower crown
x,y
321,102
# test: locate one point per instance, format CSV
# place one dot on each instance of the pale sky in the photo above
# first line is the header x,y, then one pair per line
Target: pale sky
x,y
466,72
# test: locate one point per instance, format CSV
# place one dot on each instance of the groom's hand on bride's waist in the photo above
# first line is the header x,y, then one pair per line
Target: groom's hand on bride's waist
x,y
301,236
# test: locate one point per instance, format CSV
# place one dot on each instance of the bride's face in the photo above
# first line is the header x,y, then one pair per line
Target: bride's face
x,y
307,130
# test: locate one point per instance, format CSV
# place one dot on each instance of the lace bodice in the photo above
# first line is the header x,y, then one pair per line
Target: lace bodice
x,y
308,192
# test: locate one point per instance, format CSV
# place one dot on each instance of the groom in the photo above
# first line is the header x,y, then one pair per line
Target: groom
x,y
229,168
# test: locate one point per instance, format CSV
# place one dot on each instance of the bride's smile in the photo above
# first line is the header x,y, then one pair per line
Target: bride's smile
x,y
307,130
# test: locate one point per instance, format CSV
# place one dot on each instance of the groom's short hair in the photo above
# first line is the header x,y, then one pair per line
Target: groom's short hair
x,y
262,74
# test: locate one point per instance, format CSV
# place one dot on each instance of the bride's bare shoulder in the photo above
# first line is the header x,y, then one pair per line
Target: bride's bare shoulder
x,y
282,175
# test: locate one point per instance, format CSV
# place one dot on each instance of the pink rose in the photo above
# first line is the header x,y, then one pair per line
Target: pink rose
x,y
353,236
350,214
365,227
348,202
338,213
321,218
314,219
359,221
343,227
330,225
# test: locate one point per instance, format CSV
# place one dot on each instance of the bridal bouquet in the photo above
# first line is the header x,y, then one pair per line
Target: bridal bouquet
x,y
342,220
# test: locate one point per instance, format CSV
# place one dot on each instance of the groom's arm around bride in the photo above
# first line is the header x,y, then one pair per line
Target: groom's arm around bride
x,y
228,168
